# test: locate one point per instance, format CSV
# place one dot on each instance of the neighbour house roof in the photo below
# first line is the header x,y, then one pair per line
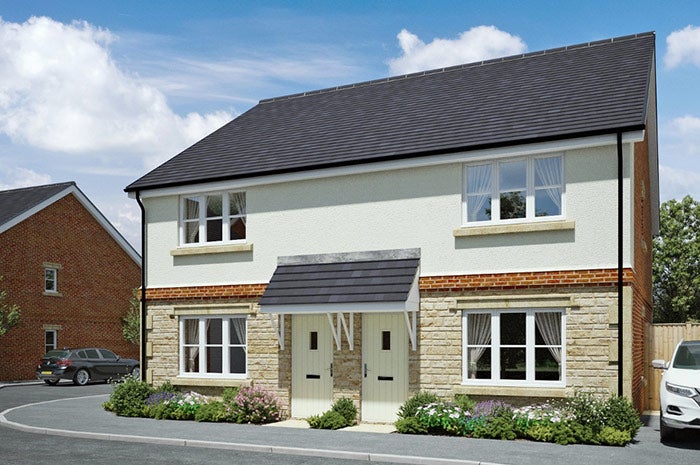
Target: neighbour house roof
x,y
17,205
589,89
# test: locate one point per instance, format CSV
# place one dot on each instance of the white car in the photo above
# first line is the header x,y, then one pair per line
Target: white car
x,y
680,389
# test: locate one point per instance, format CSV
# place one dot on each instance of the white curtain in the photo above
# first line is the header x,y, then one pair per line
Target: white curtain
x,y
478,189
478,333
192,337
238,325
549,326
548,172
192,213
237,200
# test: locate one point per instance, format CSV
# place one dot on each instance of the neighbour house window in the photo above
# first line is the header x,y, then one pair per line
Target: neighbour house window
x,y
49,340
50,280
513,347
211,218
513,190
213,347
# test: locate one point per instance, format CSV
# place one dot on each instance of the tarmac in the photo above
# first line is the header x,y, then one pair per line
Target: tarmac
x,y
84,417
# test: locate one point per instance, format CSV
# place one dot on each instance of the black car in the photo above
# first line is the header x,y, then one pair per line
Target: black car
x,y
84,365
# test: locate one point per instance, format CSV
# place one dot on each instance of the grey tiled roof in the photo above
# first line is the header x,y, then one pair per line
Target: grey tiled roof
x,y
347,282
17,201
588,89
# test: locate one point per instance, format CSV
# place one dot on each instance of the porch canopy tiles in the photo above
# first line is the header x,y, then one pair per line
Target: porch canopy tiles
x,y
335,284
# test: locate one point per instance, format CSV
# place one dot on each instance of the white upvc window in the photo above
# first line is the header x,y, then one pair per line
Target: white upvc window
x,y
50,280
514,347
214,347
514,190
218,217
50,340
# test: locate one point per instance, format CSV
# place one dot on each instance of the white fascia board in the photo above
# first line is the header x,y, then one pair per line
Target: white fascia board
x,y
104,222
356,307
416,162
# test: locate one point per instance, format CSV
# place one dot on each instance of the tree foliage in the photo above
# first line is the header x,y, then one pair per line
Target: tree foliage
x,y
676,262
9,313
131,323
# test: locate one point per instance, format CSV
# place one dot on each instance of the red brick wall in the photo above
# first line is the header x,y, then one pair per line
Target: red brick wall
x,y
642,308
95,281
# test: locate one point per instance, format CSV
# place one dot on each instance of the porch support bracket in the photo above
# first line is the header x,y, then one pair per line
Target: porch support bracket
x,y
278,326
339,327
411,327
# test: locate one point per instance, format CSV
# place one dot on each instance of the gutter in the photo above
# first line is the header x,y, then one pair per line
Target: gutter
x,y
620,326
143,285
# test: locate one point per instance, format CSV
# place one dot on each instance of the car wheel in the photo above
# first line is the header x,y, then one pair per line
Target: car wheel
x,y
136,373
81,377
51,382
665,432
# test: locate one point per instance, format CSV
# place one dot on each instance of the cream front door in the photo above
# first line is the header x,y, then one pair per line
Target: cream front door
x,y
312,355
385,366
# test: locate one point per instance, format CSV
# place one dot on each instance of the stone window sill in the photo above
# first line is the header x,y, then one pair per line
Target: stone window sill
x,y
467,231
53,294
510,391
214,382
212,249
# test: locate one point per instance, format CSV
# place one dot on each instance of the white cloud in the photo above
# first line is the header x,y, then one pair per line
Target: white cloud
x,y
683,46
677,183
16,177
679,147
60,90
477,44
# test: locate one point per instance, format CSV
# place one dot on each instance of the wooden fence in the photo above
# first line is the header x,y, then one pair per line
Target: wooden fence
x,y
664,338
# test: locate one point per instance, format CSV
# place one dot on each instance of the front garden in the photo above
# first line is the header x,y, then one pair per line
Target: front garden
x,y
582,419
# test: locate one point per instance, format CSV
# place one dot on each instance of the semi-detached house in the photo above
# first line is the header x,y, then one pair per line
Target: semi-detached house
x,y
482,229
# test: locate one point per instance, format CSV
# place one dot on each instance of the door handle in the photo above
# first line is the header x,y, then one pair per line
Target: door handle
x,y
331,369
365,370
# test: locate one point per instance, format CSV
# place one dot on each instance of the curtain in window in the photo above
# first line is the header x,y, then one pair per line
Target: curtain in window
x,y
478,333
238,326
548,173
237,201
549,326
478,189
192,213
192,337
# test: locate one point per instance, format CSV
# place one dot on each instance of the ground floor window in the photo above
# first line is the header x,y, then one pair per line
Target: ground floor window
x,y
49,340
214,346
514,347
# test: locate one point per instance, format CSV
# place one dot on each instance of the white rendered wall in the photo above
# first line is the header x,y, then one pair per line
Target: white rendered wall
x,y
407,208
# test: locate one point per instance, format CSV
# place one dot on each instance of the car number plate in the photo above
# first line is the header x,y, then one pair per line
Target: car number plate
x,y
46,372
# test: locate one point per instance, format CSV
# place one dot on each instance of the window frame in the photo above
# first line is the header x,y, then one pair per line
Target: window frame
x,y
55,340
48,270
226,219
495,191
530,349
203,344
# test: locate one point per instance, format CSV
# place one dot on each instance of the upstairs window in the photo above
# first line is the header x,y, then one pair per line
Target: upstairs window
x,y
514,190
212,218
50,280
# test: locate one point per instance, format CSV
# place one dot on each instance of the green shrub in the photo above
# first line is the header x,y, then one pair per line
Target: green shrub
x,y
621,415
419,399
444,418
252,405
496,427
129,397
614,437
230,394
410,425
167,387
542,433
329,420
587,410
464,402
213,411
346,407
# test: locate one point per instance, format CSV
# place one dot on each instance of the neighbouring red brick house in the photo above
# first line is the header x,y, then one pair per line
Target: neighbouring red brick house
x,y
68,269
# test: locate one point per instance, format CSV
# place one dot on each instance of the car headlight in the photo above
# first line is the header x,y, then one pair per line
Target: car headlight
x,y
680,390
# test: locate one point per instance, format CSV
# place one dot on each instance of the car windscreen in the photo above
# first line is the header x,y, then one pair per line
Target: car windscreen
x,y
56,354
687,357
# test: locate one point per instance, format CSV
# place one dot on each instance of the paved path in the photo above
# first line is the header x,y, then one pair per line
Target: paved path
x,y
84,417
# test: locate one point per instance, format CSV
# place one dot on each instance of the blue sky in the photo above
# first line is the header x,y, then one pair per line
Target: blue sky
x,y
101,92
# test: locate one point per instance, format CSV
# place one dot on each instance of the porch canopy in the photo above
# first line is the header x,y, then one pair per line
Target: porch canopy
x,y
336,284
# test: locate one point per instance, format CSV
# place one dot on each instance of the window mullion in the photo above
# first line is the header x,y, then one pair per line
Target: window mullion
x,y
225,217
495,346
182,344
530,346
202,345
495,193
530,188
202,200
225,345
